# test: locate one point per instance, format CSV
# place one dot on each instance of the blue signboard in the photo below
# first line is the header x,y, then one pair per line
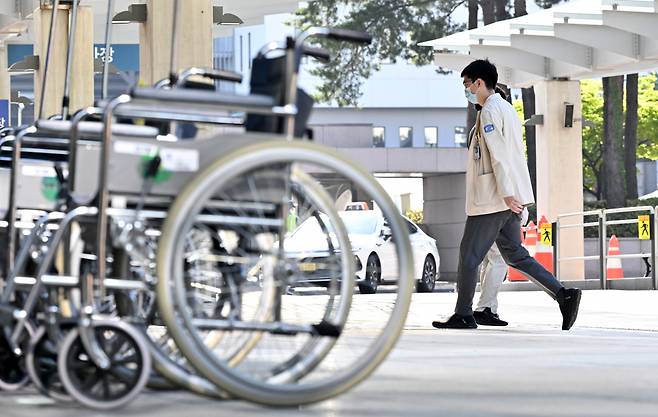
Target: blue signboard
x,y
124,56
17,52
4,113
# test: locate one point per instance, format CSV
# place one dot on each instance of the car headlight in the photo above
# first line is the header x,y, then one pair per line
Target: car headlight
x,y
357,263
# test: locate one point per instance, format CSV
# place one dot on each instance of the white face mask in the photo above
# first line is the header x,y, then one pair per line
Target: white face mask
x,y
470,96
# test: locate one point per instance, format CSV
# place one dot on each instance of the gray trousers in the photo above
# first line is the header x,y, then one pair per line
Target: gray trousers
x,y
480,232
492,274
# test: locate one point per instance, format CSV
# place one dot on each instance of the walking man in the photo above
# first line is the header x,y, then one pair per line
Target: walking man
x,y
497,189
493,269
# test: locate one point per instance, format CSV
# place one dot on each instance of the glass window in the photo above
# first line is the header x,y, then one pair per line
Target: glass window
x,y
356,223
410,226
406,137
431,137
378,137
460,136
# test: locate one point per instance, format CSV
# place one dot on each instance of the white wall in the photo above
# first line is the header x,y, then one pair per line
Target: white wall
x,y
393,118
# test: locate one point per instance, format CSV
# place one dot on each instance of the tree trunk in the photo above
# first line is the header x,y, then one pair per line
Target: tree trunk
x,y
630,137
472,14
528,97
613,130
501,10
520,8
471,113
488,11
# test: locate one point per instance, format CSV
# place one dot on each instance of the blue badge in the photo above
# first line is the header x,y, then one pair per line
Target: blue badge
x,y
488,128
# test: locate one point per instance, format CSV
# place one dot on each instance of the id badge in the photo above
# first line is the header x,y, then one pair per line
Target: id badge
x,y
476,152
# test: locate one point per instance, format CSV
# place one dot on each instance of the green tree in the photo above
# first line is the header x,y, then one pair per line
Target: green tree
x,y
591,93
397,27
647,130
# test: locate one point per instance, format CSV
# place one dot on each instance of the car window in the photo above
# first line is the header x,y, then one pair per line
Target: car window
x,y
359,224
311,229
412,227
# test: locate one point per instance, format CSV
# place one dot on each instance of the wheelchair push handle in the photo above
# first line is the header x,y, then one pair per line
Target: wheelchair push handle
x,y
348,35
213,74
321,54
337,34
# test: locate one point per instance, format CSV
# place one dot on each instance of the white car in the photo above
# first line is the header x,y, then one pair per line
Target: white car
x,y
375,258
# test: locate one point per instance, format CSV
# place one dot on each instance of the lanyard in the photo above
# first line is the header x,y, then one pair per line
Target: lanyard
x,y
477,136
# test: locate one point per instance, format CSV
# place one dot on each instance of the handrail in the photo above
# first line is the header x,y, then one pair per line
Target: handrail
x,y
602,225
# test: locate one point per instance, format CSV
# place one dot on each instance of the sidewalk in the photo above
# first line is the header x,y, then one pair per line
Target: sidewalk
x,y
609,309
606,366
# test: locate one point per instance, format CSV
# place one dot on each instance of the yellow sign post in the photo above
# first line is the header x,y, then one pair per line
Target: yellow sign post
x,y
546,234
643,227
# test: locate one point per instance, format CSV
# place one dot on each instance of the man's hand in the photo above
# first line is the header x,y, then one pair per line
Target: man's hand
x,y
513,204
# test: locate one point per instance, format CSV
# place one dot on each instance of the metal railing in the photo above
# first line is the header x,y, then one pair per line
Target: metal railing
x,y
602,222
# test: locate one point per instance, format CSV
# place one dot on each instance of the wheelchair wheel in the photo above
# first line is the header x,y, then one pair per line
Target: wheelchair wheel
x,y
41,365
104,389
229,301
317,343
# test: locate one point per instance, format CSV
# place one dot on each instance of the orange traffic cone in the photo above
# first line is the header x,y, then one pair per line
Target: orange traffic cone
x,y
613,265
529,243
544,253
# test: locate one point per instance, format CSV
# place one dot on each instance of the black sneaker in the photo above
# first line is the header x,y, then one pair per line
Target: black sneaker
x,y
456,322
569,301
488,318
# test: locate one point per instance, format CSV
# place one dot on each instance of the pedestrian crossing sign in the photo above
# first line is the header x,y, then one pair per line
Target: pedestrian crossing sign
x,y
643,227
546,234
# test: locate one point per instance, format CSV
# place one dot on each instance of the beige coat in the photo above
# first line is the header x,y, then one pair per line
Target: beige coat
x,y
502,170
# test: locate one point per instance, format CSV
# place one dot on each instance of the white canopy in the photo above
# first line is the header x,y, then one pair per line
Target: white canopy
x,y
13,15
576,40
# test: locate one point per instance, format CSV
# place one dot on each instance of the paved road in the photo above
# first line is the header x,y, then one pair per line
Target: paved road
x,y
606,366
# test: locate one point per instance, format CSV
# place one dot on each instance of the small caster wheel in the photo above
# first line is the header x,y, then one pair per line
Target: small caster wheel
x,y
104,389
13,375
41,365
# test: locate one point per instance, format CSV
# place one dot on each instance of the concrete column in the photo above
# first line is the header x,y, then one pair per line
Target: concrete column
x,y
82,79
194,38
560,167
5,91
444,215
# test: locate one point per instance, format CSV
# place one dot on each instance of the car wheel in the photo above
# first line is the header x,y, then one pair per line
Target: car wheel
x,y
373,276
428,279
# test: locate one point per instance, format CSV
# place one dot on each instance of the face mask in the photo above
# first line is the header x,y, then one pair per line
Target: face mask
x,y
470,96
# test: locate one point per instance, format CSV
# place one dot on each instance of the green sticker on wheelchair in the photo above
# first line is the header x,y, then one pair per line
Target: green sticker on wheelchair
x,y
163,175
50,188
